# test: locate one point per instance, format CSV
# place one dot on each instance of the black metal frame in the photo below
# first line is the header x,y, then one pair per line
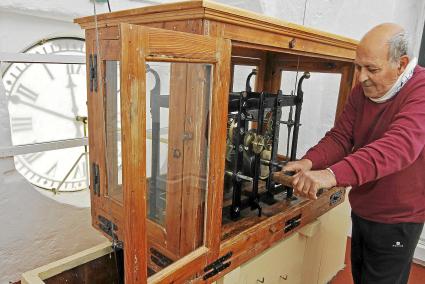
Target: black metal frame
x,y
156,102
244,107
251,106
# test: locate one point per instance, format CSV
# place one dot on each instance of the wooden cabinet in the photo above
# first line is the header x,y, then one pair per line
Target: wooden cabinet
x,y
182,157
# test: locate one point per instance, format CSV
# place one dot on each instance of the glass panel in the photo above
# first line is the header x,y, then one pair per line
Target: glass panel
x,y
113,129
157,126
44,101
240,75
320,99
177,123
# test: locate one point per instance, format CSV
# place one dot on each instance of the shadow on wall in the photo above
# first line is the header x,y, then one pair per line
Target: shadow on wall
x,y
35,229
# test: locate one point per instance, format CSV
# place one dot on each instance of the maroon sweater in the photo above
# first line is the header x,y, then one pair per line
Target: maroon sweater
x,y
378,149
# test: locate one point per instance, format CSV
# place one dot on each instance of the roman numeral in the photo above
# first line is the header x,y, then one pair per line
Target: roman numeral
x,y
63,46
14,76
78,172
72,69
21,123
52,170
28,93
30,158
48,72
45,65
59,46
19,165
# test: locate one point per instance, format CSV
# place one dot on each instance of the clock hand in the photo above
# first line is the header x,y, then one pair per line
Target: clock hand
x,y
71,86
17,100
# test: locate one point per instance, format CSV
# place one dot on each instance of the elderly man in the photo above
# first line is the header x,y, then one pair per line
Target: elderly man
x,y
377,148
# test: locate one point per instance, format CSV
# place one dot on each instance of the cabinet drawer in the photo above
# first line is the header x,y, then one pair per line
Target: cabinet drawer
x,y
281,263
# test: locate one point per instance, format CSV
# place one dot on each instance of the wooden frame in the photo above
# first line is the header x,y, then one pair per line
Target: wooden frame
x,y
222,36
187,49
36,276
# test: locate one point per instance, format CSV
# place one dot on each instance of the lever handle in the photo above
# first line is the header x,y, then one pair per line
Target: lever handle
x,y
284,178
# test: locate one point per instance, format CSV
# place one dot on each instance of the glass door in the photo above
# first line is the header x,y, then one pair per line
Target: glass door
x,y
173,125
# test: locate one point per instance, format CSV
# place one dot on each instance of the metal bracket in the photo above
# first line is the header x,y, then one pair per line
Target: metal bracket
x,y
93,72
292,223
96,179
159,259
108,227
217,266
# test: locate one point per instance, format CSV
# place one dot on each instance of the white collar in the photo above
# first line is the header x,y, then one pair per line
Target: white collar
x,y
401,81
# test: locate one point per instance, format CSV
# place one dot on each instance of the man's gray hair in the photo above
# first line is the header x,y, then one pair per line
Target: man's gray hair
x,y
398,46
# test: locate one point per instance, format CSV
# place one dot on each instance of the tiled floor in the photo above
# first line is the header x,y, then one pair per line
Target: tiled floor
x,y
417,274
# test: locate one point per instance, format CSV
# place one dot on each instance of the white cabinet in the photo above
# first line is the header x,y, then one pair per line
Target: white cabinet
x,y
280,264
314,254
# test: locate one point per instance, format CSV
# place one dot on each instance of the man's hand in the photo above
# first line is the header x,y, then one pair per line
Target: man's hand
x,y
307,183
297,166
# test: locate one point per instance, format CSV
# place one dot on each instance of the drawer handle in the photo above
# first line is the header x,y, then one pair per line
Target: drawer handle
x,y
260,281
284,277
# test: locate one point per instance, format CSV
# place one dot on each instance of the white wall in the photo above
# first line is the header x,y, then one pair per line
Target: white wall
x,y
35,229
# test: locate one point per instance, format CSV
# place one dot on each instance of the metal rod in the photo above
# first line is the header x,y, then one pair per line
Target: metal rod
x,y
254,199
41,58
248,80
300,95
11,151
84,120
241,130
240,176
55,190
155,105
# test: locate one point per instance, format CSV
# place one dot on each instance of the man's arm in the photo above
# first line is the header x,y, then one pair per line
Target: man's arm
x,y
398,148
338,142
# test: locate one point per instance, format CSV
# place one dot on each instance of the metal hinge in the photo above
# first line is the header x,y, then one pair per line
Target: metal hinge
x,y
93,72
217,266
159,259
108,227
96,179
292,223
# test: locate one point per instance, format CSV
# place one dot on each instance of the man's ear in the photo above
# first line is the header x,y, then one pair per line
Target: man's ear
x,y
404,60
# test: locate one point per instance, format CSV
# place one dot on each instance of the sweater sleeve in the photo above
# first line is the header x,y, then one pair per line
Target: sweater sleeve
x,y
398,148
338,142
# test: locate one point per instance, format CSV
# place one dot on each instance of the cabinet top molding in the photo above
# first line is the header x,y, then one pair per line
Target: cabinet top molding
x,y
212,11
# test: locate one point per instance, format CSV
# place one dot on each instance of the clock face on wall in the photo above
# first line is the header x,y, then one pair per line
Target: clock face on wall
x,y
44,101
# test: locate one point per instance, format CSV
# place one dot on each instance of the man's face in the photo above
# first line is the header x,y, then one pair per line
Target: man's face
x,y
376,73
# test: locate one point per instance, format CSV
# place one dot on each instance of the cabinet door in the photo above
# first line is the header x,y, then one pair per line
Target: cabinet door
x,y
172,149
